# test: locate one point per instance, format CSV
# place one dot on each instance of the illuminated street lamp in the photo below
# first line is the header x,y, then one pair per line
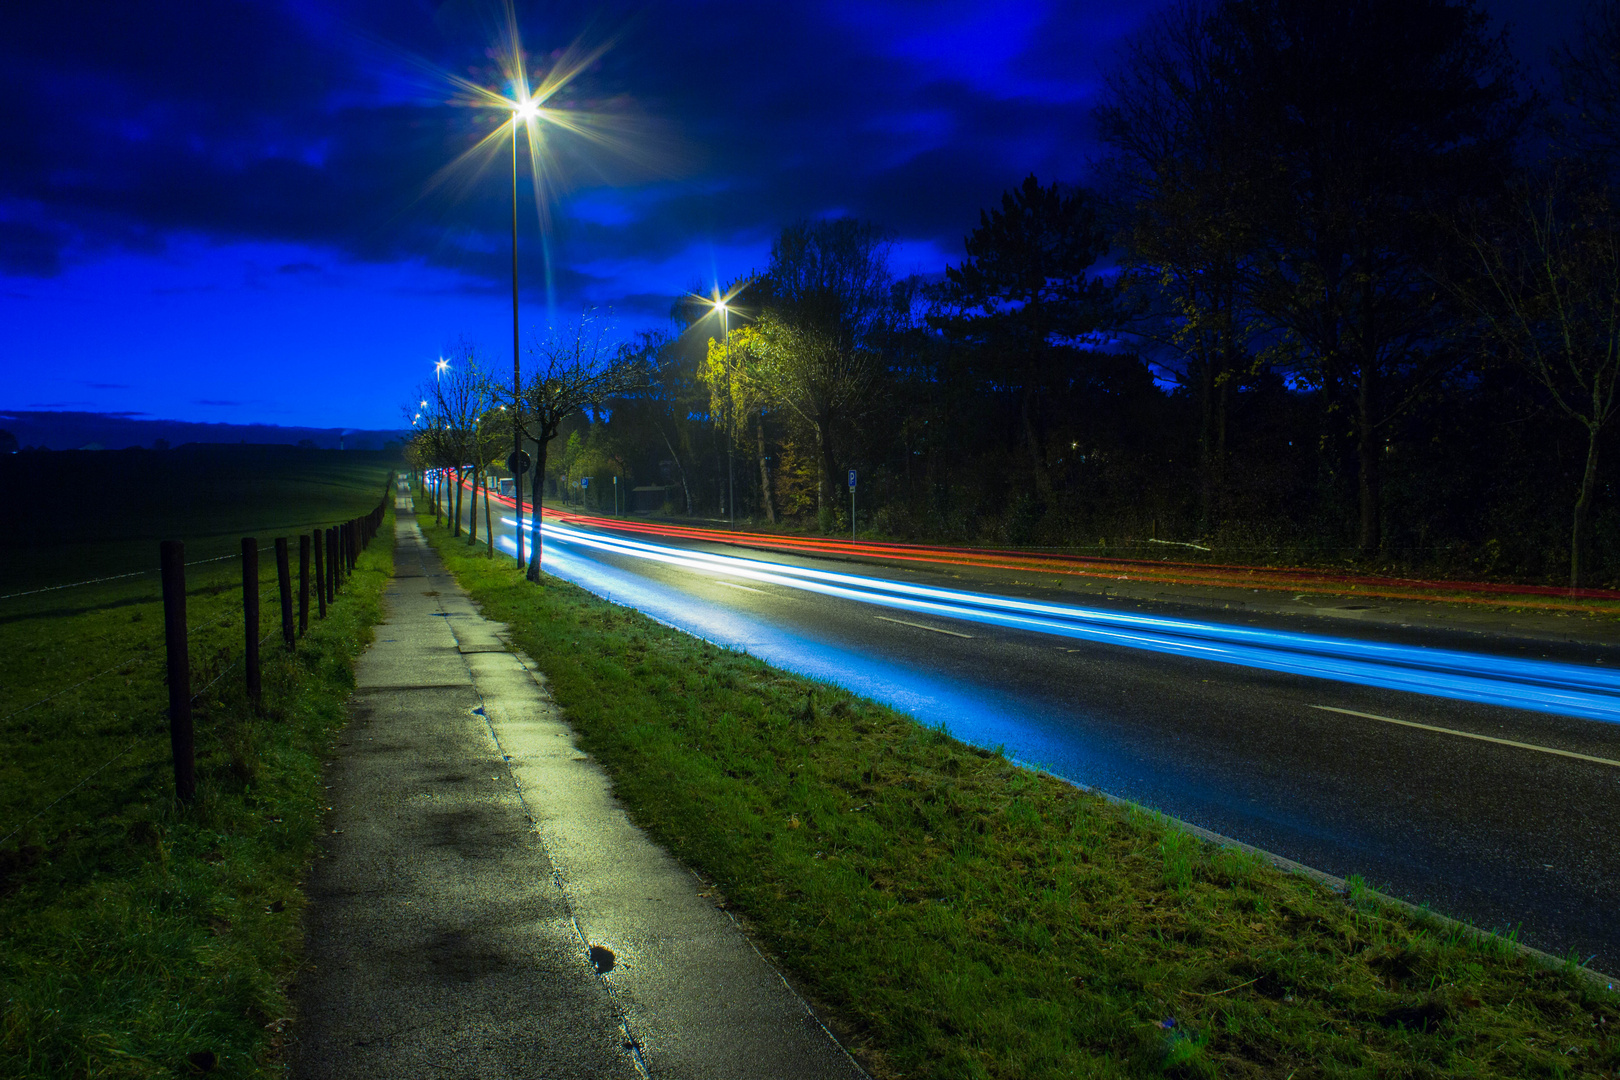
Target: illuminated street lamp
x,y
720,309
524,111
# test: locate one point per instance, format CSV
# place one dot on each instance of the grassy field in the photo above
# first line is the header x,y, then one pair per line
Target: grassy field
x,y
956,916
87,514
143,938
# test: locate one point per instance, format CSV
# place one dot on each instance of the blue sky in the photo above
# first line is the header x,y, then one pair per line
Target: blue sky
x,y
228,212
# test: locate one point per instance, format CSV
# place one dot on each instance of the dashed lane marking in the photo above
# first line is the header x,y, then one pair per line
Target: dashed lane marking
x,y
921,626
1471,735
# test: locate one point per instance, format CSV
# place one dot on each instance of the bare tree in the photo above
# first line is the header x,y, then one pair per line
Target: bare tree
x,y
573,368
1549,295
457,397
1588,125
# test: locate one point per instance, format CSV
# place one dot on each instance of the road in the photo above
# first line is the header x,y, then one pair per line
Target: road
x,y
1474,773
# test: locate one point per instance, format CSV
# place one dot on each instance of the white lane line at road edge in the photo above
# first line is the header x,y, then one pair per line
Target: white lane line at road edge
x,y
1470,735
746,588
921,626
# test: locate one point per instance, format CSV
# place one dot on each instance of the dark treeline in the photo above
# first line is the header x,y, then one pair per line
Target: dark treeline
x,y
1344,289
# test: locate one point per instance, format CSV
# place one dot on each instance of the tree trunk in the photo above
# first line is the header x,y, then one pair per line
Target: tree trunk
x,y
455,520
826,469
489,530
686,490
764,469
472,511
1367,453
537,486
1223,411
1206,443
1037,455
1583,506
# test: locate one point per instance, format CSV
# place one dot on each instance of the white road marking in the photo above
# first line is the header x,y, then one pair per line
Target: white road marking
x,y
920,626
1470,735
734,585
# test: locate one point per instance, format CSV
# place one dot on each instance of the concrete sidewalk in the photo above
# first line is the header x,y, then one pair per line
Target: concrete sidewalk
x,y
484,908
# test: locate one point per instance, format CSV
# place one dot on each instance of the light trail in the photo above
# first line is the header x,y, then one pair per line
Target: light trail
x,y
1540,685
1221,575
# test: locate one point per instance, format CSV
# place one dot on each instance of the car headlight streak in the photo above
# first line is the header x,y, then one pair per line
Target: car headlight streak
x,y
1541,685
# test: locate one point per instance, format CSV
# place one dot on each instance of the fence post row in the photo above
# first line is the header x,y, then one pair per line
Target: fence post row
x,y
284,583
172,559
250,616
353,537
303,584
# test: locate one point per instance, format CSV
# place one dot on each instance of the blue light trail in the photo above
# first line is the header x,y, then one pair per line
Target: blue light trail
x,y
1540,685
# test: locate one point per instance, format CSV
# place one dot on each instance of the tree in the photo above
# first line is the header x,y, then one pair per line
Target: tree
x,y
739,393
457,398
1588,126
1024,296
1548,294
572,369
1361,124
826,305
809,373
1175,176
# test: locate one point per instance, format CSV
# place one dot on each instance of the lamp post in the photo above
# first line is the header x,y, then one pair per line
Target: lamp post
x,y
525,109
517,385
720,308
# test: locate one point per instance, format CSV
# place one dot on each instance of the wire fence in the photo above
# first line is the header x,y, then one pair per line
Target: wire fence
x,y
110,577
331,552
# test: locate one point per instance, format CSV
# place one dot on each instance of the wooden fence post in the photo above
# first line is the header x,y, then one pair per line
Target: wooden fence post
x,y
284,582
320,570
172,559
303,584
331,568
250,617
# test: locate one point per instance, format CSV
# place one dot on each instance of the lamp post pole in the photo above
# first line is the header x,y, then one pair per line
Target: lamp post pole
x,y
517,386
731,434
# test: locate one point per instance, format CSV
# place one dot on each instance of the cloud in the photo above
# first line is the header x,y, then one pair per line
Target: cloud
x,y
289,123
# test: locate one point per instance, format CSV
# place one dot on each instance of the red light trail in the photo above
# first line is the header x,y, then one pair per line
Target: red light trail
x,y
1218,575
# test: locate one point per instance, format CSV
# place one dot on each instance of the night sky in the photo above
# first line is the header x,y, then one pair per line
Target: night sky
x,y
241,212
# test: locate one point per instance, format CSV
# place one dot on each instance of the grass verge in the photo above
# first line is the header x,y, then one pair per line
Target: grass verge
x,y
954,915
143,938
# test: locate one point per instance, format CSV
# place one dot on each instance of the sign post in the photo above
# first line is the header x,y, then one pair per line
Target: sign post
x,y
852,504
517,463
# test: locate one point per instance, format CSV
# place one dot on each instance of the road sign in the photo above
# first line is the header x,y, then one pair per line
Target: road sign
x,y
852,479
517,462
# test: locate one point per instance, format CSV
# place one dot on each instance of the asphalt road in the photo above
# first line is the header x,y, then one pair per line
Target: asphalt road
x,y
1328,772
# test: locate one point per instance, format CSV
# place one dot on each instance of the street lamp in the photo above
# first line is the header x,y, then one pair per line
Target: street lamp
x,y
720,309
525,110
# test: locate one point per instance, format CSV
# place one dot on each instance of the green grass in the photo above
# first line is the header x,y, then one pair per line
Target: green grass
x,y
956,916
143,938
79,515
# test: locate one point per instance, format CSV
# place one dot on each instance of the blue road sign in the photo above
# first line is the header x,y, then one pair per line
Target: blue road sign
x,y
852,479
